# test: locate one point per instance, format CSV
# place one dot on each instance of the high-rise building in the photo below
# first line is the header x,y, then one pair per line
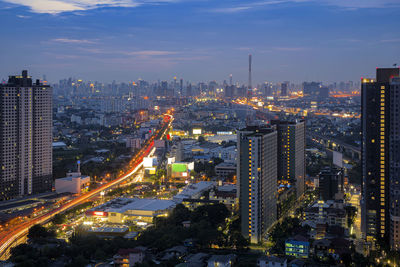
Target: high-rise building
x,y
379,123
331,184
311,88
181,87
256,183
229,91
164,88
394,165
284,88
291,154
25,137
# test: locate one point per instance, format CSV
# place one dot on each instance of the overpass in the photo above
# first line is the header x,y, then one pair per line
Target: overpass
x,y
334,144
17,235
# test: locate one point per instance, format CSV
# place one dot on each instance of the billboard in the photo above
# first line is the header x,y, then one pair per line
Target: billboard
x,y
196,131
179,167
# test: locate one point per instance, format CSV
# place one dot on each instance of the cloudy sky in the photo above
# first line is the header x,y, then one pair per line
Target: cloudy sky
x,y
198,40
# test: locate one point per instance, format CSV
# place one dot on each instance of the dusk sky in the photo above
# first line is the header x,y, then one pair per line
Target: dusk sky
x,y
199,40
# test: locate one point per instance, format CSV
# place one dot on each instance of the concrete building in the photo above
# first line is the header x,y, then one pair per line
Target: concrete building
x,y
271,261
74,182
140,210
128,257
291,154
221,260
329,212
25,137
193,191
225,169
257,180
380,186
226,195
297,247
331,184
394,165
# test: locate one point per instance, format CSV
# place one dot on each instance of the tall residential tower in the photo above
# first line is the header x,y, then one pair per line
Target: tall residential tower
x,y
257,172
25,137
380,130
291,154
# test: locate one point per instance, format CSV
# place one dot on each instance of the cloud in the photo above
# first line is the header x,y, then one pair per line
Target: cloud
x,y
289,49
348,4
72,41
394,40
23,17
231,9
357,4
60,6
151,53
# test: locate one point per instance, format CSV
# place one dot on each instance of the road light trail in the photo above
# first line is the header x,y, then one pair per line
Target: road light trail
x,y
18,232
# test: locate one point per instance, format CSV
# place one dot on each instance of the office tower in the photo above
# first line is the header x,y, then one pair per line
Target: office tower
x,y
25,137
230,79
291,154
377,109
311,88
323,93
229,91
250,86
284,88
189,90
164,88
256,182
331,184
181,87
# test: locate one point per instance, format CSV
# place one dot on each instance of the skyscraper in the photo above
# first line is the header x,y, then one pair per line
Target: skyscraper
x,y
394,165
284,88
257,172
250,85
25,137
181,87
378,112
291,154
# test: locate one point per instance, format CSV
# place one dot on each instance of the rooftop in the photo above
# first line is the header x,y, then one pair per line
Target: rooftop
x,y
121,205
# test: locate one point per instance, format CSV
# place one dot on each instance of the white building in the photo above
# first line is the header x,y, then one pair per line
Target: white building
x,y
193,191
141,210
73,183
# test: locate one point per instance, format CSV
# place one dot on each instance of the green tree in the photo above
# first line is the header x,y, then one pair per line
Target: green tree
x,y
37,232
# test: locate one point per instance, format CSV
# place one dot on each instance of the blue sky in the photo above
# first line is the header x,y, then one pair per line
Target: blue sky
x,y
198,40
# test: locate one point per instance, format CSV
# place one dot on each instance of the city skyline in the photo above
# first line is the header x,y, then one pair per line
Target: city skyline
x,y
199,40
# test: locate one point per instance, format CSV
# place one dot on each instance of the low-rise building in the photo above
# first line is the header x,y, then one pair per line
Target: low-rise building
x,y
297,247
221,260
128,257
193,191
225,169
73,183
271,261
140,210
329,212
226,195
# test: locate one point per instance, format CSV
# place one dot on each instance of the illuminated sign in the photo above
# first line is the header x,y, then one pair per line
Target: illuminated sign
x,y
99,213
196,131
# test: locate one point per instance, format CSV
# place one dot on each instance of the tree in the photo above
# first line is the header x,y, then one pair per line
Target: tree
x,y
59,219
39,232
201,139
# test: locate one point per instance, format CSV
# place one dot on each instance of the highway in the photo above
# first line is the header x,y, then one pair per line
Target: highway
x,y
14,234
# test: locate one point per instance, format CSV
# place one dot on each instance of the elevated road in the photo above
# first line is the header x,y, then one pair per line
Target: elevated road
x,y
17,235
